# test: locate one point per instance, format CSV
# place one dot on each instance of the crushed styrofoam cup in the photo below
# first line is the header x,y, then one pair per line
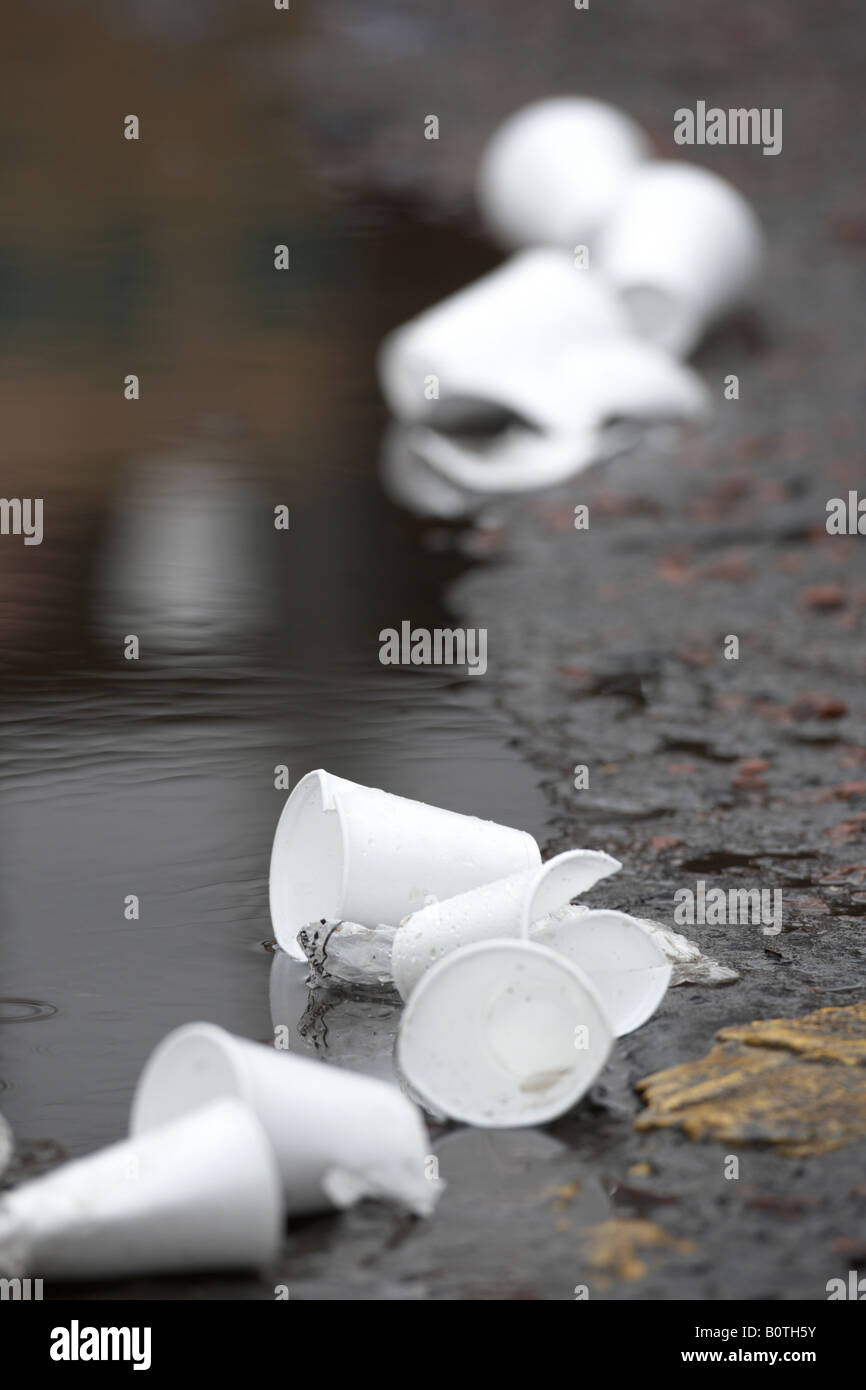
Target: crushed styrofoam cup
x,y
505,907
503,1033
346,852
200,1193
337,1136
684,248
552,171
627,968
582,392
486,354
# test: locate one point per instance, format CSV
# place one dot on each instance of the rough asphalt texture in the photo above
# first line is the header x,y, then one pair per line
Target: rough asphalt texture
x,y
607,647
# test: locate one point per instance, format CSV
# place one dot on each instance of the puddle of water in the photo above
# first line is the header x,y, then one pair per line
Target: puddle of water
x,y
153,779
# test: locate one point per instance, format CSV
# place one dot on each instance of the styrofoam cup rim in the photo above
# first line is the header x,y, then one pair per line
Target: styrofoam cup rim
x,y
511,946
167,1047
285,926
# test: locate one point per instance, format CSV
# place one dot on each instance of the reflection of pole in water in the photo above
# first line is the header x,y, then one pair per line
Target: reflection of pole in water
x,y
180,569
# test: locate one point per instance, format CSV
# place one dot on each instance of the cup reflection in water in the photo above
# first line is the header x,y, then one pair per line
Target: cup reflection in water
x,y
551,172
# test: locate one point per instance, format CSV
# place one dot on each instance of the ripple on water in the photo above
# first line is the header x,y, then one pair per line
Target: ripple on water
x,y
25,1010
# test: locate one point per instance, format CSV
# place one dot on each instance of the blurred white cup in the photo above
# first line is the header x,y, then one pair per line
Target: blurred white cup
x,y
486,353
684,248
552,171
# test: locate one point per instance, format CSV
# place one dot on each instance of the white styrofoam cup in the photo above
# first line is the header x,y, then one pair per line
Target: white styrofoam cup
x,y
684,248
491,350
337,1136
502,908
552,171
200,1193
344,852
628,970
503,1033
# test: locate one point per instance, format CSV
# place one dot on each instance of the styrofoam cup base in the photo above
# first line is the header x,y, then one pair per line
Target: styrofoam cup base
x,y
552,171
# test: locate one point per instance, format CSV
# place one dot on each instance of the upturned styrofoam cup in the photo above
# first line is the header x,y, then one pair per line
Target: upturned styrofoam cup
x,y
628,970
503,1033
201,1193
489,352
552,171
505,907
683,248
337,1136
343,852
